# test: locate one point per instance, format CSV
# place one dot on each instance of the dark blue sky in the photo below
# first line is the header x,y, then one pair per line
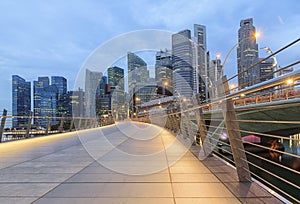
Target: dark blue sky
x,y
54,37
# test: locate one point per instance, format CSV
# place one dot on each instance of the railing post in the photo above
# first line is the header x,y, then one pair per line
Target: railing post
x,y
71,124
286,95
28,124
48,126
61,126
86,123
3,120
201,129
79,124
234,134
174,123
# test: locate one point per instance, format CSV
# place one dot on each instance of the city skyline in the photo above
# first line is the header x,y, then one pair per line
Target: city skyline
x,y
30,49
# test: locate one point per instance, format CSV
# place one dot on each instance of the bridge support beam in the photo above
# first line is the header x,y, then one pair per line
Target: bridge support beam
x,y
61,126
28,125
3,120
48,127
71,124
234,133
202,131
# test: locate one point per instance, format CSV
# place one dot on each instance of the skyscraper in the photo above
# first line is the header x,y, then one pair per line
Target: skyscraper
x,y
266,69
49,103
138,77
21,100
117,91
247,54
76,103
61,84
214,74
62,97
38,89
103,98
201,62
92,80
164,71
182,62
116,76
137,70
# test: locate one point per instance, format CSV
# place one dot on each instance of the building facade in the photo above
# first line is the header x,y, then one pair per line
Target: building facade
x,y
200,62
247,54
138,77
76,103
62,98
266,69
116,76
92,80
182,63
21,101
117,92
49,104
164,71
38,89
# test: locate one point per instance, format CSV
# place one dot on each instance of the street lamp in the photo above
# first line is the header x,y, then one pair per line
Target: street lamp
x,y
232,87
165,85
275,64
289,81
255,35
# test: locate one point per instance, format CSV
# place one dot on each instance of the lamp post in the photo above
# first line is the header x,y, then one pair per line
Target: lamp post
x,y
165,85
275,64
255,35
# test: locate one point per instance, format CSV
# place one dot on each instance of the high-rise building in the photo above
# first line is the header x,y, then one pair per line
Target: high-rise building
x,y
49,102
21,100
76,103
117,92
247,54
61,84
266,69
182,63
92,80
200,62
62,98
116,76
286,71
38,89
138,76
164,71
103,98
214,74
137,70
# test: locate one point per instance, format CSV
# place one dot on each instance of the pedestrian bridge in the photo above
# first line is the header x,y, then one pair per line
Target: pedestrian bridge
x,y
128,162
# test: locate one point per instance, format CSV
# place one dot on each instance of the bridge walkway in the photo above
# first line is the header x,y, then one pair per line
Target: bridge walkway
x,y
124,163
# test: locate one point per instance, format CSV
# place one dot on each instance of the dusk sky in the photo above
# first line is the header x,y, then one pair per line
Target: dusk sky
x,y
46,38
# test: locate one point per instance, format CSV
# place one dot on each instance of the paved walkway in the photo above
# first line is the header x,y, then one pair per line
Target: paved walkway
x,y
129,163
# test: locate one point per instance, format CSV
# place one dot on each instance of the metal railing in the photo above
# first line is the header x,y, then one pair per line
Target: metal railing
x,y
256,129
21,127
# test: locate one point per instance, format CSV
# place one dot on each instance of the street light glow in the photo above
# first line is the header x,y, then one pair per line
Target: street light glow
x,y
218,55
257,34
289,81
232,86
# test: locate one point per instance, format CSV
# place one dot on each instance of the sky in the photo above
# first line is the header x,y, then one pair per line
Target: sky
x,y
54,37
